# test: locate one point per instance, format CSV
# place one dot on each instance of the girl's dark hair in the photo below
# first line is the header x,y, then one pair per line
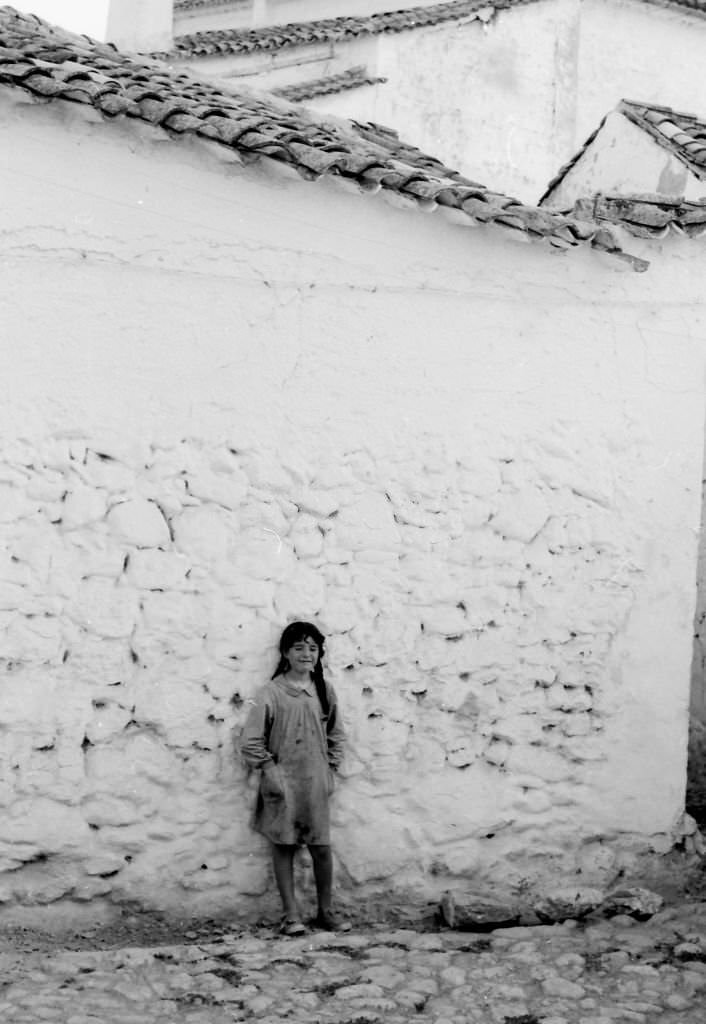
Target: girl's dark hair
x,y
294,633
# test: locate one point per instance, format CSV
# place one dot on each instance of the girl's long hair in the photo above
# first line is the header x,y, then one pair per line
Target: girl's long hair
x,y
294,633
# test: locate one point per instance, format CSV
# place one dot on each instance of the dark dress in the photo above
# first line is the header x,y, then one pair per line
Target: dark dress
x,y
286,726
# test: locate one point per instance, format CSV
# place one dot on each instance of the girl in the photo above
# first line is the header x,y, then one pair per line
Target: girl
x,y
293,735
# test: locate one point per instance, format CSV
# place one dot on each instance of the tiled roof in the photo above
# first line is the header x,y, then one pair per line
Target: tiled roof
x,y
351,79
187,5
684,135
215,43
649,216
56,65
697,7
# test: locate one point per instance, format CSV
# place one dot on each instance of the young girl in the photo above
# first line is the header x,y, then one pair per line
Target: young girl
x,y
293,735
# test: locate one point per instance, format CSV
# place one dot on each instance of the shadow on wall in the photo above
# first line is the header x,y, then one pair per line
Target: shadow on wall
x,y
696,771
696,774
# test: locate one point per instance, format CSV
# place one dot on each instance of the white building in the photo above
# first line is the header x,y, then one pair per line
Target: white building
x,y
252,372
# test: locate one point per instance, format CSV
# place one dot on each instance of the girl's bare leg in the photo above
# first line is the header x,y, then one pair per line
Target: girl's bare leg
x,y
322,862
283,864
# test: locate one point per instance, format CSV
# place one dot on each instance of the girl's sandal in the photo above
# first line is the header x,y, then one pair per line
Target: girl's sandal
x,y
290,926
328,921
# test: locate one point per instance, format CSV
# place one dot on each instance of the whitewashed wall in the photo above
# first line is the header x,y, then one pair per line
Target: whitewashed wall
x,y
232,398
141,25
637,51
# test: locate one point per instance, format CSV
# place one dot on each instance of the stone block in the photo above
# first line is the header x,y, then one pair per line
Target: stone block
x,y
82,506
109,720
33,639
15,504
564,904
103,864
634,902
447,620
225,488
264,471
206,534
368,523
172,621
104,608
306,537
301,594
140,523
533,801
467,911
154,569
179,714
260,553
521,515
108,810
51,826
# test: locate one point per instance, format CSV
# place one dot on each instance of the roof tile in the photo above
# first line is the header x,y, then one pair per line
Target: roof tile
x,y
353,78
645,215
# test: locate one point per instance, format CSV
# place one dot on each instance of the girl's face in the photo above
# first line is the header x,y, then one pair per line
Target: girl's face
x,y
302,656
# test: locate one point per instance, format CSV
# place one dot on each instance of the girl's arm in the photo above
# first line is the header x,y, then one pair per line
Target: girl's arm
x,y
253,738
335,735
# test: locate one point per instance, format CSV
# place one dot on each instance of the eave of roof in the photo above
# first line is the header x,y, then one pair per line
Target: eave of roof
x,y
56,65
645,215
354,78
217,43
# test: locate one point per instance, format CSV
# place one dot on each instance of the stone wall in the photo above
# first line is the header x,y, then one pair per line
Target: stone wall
x,y
233,398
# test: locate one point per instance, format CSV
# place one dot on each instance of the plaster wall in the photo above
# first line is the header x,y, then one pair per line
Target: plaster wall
x,y
624,159
232,398
87,16
637,51
141,25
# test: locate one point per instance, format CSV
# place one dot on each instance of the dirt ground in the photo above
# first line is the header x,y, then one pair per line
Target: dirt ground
x,y
679,879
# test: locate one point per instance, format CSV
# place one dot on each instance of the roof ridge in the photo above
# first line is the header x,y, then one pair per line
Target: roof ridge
x,y
216,42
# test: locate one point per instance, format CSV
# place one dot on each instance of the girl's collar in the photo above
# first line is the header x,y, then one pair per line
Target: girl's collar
x,y
295,688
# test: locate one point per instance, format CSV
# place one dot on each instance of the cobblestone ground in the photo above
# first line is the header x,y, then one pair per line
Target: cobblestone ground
x,y
601,973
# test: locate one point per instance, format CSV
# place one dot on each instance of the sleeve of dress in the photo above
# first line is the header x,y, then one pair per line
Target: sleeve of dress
x,y
335,733
253,748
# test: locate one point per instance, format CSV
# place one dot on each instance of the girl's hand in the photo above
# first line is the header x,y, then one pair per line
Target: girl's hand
x,y
272,782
